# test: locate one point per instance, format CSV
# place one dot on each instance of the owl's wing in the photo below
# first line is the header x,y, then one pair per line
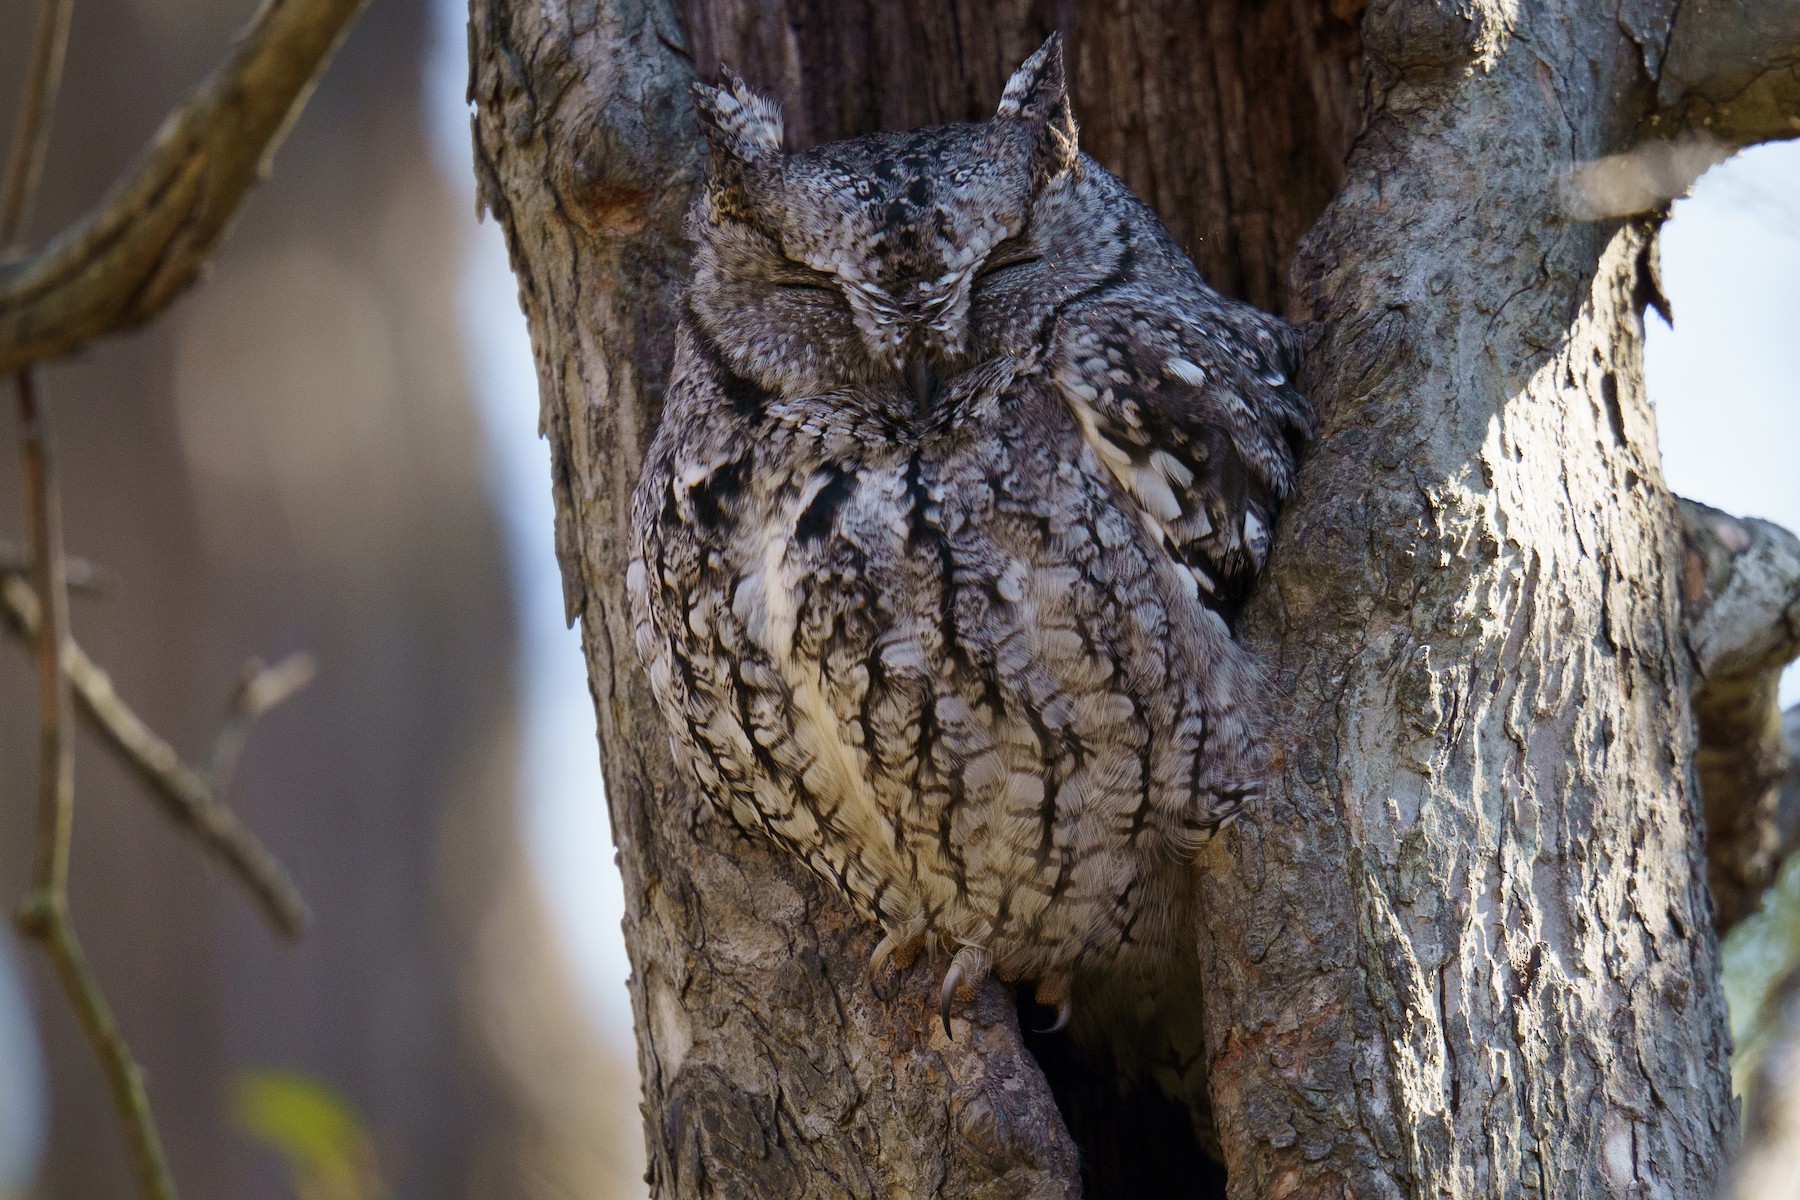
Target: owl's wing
x,y
1190,401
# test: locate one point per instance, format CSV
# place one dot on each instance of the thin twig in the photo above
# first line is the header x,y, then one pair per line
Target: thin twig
x,y
122,263
31,134
191,799
259,689
49,923
119,267
56,784
84,576
45,914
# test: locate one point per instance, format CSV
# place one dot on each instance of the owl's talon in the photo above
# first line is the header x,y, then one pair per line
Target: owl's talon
x,y
890,957
900,951
967,970
952,980
1053,991
1062,1017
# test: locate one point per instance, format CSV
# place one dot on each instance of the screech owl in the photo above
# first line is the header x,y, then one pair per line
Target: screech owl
x,y
963,471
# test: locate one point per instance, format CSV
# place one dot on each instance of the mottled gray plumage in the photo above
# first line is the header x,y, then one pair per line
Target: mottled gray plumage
x,y
962,471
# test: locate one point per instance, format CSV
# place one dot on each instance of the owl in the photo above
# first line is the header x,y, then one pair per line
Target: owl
x,y
962,474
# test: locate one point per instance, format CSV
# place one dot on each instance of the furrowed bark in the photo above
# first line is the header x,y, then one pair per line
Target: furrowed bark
x,y
1731,68
1741,608
1473,956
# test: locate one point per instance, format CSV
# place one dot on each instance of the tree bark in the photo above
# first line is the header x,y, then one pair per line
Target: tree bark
x,y
1464,948
1741,604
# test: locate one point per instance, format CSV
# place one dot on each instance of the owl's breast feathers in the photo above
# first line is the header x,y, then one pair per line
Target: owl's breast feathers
x,y
966,674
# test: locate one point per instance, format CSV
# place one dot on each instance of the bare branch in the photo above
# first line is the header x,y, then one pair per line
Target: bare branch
x,y
43,506
31,135
259,689
1741,612
149,239
188,797
117,267
1732,68
44,915
84,576
47,920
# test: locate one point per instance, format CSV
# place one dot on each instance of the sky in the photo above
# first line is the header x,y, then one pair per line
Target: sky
x,y
1726,379
567,831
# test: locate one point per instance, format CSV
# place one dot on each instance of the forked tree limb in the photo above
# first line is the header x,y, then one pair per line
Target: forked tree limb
x,y
189,797
1419,980
1726,75
44,915
121,264
118,267
1741,612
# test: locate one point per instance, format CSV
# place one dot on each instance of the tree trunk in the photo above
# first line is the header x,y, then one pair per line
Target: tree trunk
x,y
1464,948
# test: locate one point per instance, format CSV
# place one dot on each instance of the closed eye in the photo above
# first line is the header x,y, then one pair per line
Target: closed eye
x,y
996,266
794,277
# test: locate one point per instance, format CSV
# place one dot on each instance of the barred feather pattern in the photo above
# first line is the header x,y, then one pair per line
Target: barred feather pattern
x,y
962,474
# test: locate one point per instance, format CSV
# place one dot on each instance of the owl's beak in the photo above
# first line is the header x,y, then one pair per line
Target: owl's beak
x,y
920,381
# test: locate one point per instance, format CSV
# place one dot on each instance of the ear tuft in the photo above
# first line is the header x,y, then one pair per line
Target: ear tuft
x,y
738,123
1038,95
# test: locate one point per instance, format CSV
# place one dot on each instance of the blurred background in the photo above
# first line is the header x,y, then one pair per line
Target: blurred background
x,y
332,446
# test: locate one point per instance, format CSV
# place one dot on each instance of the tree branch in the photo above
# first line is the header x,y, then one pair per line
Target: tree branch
x,y
1741,614
118,267
148,240
190,798
1732,68
45,913
31,134
1437,959
84,576
260,688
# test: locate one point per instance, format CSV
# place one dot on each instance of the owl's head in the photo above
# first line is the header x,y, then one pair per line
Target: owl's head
x,y
895,258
